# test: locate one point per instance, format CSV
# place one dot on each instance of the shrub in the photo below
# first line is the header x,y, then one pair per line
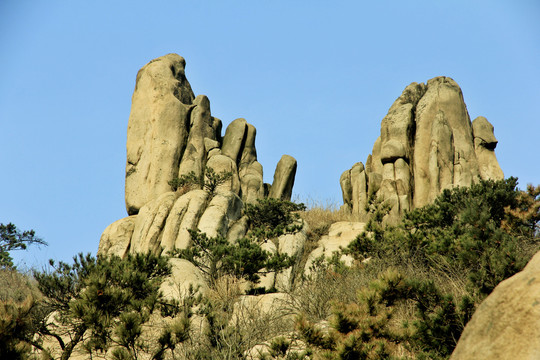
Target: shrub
x,y
270,217
209,182
213,180
467,230
364,328
185,182
217,257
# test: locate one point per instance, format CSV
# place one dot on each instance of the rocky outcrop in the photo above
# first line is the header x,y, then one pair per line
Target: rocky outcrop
x,y
284,178
184,277
116,238
507,323
484,147
427,144
340,235
172,134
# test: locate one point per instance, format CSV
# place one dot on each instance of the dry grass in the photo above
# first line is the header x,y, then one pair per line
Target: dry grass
x,y
317,297
16,286
232,323
321,214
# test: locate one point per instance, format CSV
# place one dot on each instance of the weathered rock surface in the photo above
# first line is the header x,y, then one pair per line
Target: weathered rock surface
x,y
507,323
157,129
284,178
116,238
223,210
292,245
150,222
340,235
184,277
203,127
268,280
184,216
427,144
484,147
249,306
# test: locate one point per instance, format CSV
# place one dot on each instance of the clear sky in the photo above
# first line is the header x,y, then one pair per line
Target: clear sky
x,y
314,77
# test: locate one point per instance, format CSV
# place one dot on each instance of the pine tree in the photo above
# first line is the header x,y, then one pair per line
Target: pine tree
x,y
217,257
103,301
13,239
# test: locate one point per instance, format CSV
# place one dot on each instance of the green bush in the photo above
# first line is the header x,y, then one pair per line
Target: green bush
x,y
270,218
217,257
478,235
467,230
185,181
209,181
364,329
244,258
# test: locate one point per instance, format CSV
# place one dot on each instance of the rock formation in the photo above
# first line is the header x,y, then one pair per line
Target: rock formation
x,y
427,144
171,133
507,323
340,235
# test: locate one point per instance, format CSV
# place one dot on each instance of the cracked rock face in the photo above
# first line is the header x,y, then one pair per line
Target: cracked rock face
x,y
427,144
171,133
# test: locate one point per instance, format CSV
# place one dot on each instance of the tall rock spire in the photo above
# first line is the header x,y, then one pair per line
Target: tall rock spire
x,y
157,129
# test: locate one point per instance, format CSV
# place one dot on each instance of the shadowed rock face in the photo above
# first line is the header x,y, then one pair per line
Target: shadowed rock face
x,y
173,133
506,325
427,144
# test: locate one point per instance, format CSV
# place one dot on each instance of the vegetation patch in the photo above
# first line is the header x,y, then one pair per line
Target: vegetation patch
x,y
412,289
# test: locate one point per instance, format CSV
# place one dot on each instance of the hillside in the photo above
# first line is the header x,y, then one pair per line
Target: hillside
x,y
212,263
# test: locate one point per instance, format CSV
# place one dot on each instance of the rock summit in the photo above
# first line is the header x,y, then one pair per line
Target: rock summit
x,y
427,144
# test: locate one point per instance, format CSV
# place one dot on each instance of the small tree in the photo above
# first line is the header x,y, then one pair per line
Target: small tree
x,y
524,219
103,302
270,217
19,321
13,239
245,259
185,182
213,180
209,182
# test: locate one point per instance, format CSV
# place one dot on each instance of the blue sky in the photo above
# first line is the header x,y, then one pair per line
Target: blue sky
x,y
314,77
